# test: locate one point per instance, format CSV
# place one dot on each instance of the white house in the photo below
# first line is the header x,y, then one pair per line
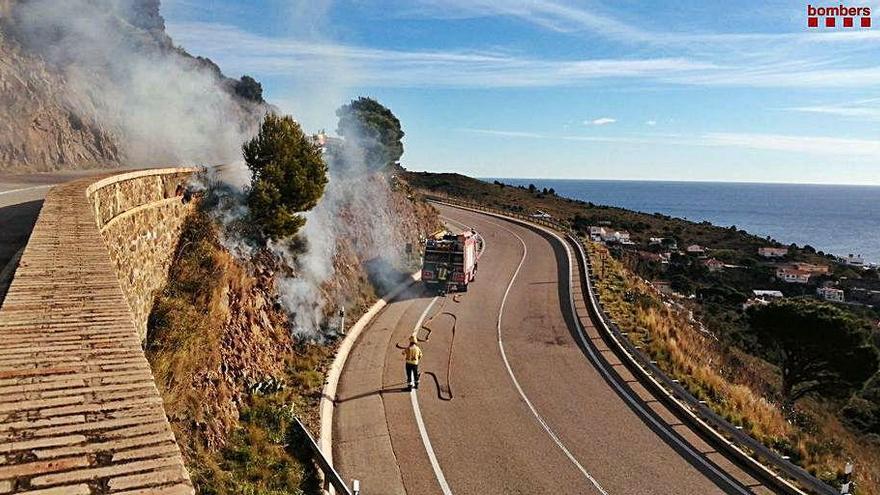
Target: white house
x,y
767,294
830,294
772,252
762,297
695,249
793,275
603,234
852,260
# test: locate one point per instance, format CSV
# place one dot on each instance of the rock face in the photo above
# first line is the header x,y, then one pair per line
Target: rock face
x,y
40,130
99,83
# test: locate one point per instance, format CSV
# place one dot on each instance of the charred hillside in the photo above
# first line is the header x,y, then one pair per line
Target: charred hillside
x,y
99,83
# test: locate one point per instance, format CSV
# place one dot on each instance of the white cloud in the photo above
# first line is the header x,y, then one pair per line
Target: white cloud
x,y
858,110
543,13
786,60
814,145
810,145
797,58
600,121
238,51
651,123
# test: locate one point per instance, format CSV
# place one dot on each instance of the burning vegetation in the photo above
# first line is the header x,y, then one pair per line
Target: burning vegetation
x,y
240,337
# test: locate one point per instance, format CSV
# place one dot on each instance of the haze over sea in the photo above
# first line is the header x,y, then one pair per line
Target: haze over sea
x,y
832,218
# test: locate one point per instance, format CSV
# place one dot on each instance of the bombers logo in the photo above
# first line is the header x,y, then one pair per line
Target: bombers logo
x,y
847,14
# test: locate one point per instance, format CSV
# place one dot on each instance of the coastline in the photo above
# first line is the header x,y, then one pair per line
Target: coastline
x,y
825,217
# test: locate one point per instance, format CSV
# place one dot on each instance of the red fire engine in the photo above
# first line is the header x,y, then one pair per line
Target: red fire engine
x,y
450,262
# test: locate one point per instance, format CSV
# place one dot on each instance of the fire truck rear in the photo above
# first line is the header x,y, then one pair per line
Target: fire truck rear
x,y
450,262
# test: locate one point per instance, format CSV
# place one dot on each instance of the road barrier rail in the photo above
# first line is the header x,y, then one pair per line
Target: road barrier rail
x,y
331,476
762,462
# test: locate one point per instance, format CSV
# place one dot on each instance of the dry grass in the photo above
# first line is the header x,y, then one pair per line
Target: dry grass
x,y
733,384
209,332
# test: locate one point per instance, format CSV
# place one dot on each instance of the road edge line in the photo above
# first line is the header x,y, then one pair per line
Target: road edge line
x,y
334,371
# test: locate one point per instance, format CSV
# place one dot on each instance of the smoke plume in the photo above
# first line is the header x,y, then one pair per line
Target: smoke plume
x,y
169,108
356,208
123,72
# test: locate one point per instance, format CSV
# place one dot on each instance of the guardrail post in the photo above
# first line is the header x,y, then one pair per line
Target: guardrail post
x,y
342,320
847,476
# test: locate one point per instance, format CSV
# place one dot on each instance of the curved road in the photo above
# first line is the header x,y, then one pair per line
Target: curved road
x,y
515,408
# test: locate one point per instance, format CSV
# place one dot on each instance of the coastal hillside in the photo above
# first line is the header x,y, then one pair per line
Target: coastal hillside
x,y
85,84
731,314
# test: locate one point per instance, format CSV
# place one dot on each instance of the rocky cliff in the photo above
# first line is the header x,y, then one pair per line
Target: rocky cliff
x,y
40,128
99,83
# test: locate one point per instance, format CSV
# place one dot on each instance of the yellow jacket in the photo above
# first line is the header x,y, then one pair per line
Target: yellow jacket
x,y
413,353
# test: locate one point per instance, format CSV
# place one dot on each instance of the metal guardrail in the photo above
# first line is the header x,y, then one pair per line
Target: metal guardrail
x,y
763,462
331,476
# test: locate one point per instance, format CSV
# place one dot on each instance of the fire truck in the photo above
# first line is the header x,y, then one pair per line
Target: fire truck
x,y
450,262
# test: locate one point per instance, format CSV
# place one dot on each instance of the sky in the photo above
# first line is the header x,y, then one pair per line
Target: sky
x,y
668,90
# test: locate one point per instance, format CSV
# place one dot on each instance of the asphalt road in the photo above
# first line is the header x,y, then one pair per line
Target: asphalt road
x,y
509,408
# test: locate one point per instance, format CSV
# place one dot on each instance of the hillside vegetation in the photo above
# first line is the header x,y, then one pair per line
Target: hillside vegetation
x,y
231,372
699,332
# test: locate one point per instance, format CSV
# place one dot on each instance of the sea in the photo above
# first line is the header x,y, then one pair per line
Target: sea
x,y
838,219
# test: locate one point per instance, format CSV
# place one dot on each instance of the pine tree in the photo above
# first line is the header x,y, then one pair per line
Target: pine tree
x,y
289,176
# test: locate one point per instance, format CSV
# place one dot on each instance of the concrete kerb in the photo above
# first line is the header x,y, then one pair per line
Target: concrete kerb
x,y
328,395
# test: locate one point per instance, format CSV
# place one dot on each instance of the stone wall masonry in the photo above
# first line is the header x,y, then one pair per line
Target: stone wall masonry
x,y
79,409
140,216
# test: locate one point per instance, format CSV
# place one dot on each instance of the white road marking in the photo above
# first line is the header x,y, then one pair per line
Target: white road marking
x,y
23,189
414,398
519,389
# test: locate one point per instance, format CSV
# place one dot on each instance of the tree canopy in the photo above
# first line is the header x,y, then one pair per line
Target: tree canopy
x,y
248,88
373,128
289,175
819,347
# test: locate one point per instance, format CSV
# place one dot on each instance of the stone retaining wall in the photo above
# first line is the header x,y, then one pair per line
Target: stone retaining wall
x,y
79,409
140,216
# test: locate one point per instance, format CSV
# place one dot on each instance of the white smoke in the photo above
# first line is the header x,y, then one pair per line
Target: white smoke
x,y
168,108
123,72
355,207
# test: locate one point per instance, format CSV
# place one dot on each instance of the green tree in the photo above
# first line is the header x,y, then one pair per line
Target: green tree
x,y
370,126
249,89
819,347
288,175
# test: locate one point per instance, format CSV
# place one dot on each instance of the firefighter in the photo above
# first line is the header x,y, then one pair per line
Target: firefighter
x,y
413,354
442,277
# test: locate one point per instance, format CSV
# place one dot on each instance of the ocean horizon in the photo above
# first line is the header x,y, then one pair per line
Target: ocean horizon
x,y
838,219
